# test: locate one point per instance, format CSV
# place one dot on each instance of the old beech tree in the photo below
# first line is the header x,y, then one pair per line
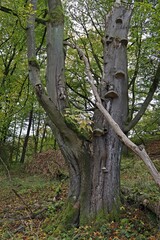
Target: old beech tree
x,y
94,165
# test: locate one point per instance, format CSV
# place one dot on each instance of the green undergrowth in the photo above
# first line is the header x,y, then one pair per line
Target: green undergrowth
x,y
136,178
31,205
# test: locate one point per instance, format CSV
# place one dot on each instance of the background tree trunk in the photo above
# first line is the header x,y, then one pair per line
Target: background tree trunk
x,y
26,137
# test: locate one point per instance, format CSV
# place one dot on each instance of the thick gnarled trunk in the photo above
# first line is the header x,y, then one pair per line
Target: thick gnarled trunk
x,y
94,174
94,168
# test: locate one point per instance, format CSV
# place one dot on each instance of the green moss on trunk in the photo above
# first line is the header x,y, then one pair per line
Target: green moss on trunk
x,y
102,216
56,16
69,218
114,215
33,62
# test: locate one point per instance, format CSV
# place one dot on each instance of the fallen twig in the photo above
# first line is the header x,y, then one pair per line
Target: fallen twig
x,y
19,218
22,200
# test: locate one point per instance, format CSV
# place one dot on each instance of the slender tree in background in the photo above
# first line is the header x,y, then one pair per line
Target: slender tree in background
x,y
26,137
93,160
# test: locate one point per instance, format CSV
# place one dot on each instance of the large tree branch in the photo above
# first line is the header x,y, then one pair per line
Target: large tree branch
x,y
34,75
56,86
140,151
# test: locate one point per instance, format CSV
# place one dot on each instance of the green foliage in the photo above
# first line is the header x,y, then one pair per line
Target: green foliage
x,y
149,126
142,54
16,94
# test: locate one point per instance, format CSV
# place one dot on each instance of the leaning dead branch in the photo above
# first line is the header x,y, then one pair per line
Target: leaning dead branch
x,y
138,150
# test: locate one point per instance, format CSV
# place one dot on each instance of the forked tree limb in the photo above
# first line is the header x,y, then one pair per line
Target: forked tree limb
x,y
140,151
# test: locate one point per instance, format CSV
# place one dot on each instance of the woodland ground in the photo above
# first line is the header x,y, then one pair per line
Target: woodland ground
x,y
32,199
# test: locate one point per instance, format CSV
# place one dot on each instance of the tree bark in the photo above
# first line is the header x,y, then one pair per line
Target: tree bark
x,y
113,93
104,194
55,55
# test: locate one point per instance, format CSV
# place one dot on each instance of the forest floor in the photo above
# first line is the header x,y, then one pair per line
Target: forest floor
x,y
32,198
